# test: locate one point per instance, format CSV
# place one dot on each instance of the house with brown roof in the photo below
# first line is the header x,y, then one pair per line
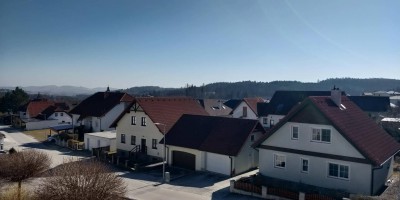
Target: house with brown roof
x,y
211,143
329,142
97,112
142,125
247,108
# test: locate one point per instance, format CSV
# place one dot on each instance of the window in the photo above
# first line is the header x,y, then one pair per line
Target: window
x,y
154,143
133,120
133,140
252,138
338,171
244,111
271,122
265,120
123,138
295,132
321,135
61,114
304,165
279,161
143,121
56,114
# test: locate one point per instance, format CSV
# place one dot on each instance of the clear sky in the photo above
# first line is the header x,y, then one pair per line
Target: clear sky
x,y
168,43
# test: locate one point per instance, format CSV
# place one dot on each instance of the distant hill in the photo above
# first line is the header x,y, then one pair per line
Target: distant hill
x,y
227,90
60,90
242,89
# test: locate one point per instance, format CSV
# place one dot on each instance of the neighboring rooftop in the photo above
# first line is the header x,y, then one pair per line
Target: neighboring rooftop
x,y
252,102
215,107
371,103
36,107
100,103
165,110
220,135
362,132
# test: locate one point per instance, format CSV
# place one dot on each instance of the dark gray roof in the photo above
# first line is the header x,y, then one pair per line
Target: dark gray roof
x,y
220,135
371,103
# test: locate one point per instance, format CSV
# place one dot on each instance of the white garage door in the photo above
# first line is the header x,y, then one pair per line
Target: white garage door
x,y
218,163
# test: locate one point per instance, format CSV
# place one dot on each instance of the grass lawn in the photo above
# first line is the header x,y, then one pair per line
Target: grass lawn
x,y
40,135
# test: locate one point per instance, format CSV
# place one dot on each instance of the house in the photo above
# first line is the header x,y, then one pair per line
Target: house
x,y
42,113
247,108
217,144
142,125
281,103
329,142
215,107
97,112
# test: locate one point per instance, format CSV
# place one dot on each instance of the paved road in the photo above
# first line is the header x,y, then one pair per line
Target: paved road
x,y
146,186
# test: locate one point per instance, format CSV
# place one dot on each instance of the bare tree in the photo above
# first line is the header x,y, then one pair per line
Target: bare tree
x,y
88,180
20,166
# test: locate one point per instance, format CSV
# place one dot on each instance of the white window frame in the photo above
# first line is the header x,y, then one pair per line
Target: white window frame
x,y
133,139
278,159
123,138
265,120
338,172
133,120
320,130
301,165
292,132
144,123
154,143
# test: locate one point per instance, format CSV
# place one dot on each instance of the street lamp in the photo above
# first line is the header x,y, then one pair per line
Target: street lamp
x,y
165,152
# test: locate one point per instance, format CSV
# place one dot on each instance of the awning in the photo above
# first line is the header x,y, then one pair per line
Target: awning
x,y
61,127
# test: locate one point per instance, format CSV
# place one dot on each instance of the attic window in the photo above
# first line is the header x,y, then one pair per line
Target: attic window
x,y
215,107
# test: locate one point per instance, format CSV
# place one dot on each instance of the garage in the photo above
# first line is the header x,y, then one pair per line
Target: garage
x,y
218,163
183,160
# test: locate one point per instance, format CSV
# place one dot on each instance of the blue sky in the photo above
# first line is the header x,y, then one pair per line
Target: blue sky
x,y
125,43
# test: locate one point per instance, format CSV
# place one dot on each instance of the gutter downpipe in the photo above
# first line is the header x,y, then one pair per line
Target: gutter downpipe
x,y
230,157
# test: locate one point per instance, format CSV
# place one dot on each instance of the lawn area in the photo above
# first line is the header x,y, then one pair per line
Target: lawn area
x,y
40,135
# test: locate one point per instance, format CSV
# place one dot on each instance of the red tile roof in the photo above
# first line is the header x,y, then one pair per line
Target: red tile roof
x,y
35,107
361,131
166,110
214,134
100,103
252,102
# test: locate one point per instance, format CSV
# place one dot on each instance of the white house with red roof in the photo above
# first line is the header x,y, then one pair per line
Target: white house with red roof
x,y
247,108
142,125
97,112
329,142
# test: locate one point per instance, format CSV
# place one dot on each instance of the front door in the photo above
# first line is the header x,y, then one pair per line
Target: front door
x,y
143,146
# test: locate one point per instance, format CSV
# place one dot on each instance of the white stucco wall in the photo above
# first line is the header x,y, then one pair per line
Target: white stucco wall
x,y
382,174
248,156
94,142
359,174
148,132
65,118
275,118
238,112
109,117
42,124
338,145
218,163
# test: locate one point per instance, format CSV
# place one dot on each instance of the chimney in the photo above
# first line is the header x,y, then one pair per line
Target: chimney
x,y
107,92
336,96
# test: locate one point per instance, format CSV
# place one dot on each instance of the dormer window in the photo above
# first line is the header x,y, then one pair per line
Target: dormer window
x,y
144,121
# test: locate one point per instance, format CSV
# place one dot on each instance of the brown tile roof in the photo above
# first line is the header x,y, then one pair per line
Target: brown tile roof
x,y
362,132
35,107
165,110
214,134
252,102
100,103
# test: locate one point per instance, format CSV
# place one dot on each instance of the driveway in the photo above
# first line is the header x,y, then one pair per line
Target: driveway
x,y
140,185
